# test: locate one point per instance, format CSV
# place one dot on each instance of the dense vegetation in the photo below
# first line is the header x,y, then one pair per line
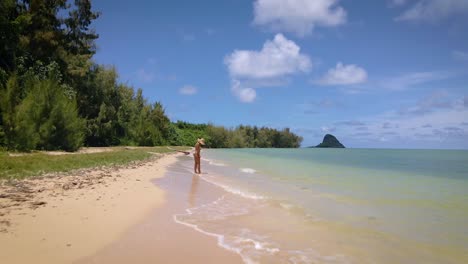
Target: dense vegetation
x,y
53,96
240,137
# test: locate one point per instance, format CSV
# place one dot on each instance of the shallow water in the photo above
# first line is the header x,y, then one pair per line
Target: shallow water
x,y
335,205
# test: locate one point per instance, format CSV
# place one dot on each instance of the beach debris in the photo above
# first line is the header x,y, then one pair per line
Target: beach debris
x,y
5,222
38,203
19,198
18,194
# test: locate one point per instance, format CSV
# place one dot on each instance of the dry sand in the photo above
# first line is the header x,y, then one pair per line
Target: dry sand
x,y
63,219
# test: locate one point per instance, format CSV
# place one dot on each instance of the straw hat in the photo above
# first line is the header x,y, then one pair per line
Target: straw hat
x,y
201,141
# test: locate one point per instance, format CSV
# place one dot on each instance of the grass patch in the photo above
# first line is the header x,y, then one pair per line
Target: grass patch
x,y
34,164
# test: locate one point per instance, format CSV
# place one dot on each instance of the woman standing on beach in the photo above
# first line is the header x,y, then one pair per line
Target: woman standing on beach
x,y
196,155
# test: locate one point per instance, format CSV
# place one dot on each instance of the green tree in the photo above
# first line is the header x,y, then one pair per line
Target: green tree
x,y
237,139
99,103
125,113
218,136
145,133
48,119
79,42
46,36
9,101
159,119
79,36
9,37
264,138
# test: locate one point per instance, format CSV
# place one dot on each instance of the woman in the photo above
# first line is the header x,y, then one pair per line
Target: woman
x,y
196,155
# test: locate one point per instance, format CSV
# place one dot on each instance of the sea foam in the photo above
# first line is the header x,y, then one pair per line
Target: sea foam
x,y
221,239
248,170
219,164
234,190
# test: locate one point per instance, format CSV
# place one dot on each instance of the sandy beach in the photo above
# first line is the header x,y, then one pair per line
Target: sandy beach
x,y
69,219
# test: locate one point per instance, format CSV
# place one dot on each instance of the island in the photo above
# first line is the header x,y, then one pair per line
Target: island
x,y
330,141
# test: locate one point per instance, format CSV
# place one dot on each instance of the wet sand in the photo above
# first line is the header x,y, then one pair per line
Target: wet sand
x,y
159,239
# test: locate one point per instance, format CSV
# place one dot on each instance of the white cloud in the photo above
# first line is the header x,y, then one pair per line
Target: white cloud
x,y
383,139
145,76
433,10
327,129
277,59
437,126
245,95
344,75
434,101
352,123
395,83
298,16
405,81
411,126
188,90
460,55
437,117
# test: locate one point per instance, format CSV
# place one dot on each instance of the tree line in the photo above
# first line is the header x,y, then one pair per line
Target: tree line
x,y
240,137
54,96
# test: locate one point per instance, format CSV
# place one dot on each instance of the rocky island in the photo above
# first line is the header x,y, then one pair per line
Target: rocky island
x,y
330,141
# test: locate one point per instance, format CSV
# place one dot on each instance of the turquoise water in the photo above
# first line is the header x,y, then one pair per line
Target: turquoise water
x,y
338,205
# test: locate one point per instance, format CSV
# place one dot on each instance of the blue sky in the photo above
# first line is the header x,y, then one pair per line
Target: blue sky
x,y
383,74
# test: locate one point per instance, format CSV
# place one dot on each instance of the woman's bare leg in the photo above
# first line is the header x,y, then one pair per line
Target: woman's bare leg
x,y
198,165
195,164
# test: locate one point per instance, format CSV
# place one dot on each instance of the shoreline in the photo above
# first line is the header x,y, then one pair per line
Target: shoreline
x,y
160,238
210,212
68,218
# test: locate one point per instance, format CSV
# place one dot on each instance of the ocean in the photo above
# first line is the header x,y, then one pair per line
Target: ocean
x,y
332,205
